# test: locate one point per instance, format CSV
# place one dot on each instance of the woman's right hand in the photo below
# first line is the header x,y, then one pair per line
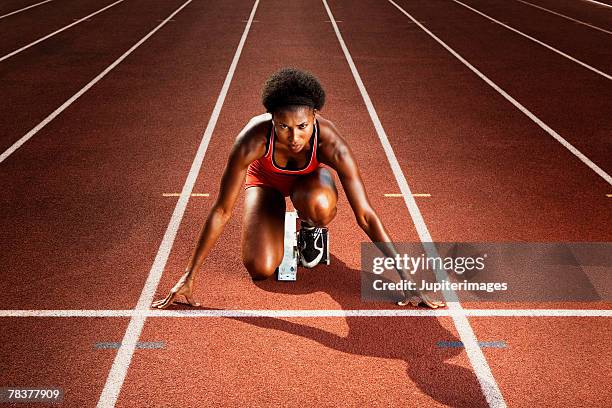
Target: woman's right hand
x,y
184,287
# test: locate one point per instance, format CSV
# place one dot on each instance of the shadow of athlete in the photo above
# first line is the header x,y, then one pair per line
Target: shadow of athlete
x,y
411,339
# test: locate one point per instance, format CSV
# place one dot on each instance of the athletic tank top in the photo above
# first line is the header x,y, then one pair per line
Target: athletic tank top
x,y
267,161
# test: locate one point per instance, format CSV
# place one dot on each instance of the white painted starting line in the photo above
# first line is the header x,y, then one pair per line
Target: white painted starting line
x,y
24,9
25,47
255,313
123,358
513,101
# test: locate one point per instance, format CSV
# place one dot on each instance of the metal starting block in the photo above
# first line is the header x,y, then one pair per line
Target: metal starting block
x,y
287,270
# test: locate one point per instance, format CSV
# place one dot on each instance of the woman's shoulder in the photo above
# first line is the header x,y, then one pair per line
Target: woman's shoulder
x,y
252,140
327,130
263,118
256,130
331,146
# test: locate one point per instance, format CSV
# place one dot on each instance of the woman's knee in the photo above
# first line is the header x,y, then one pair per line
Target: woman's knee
x,y
260,267
318,207
315,197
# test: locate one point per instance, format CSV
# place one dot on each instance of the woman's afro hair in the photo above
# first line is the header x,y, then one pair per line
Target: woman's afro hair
x,y
292,87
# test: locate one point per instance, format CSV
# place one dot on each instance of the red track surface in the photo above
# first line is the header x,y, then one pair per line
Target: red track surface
x,y
83,214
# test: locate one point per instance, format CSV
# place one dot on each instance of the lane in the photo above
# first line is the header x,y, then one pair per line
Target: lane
x,y
116,376
21,29
93,178
223,282
60,353
493,176
589,46
549,85
42,78
485,166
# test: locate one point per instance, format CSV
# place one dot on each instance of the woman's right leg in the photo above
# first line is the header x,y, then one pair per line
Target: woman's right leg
x,y
263,231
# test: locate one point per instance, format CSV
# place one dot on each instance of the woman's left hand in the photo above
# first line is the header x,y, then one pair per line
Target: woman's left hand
x,y
416,299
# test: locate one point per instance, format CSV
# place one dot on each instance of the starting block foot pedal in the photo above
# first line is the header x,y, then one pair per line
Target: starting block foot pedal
x,y
287,270
325,258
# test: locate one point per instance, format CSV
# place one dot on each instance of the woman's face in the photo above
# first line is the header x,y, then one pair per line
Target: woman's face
x,y
294,127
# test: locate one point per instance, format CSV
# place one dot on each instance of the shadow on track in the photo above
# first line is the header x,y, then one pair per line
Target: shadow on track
x,y
411,339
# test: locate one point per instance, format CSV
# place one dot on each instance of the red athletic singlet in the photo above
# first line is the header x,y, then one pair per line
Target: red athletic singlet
x,y
265,172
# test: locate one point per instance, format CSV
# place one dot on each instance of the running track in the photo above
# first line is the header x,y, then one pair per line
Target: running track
x,y
85,224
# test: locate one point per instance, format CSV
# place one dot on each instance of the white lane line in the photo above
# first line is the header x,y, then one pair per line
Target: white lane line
x,y
543,44
489,386
255,313
24,9
25,47
599,3
120,366
513,101
566,17
77,95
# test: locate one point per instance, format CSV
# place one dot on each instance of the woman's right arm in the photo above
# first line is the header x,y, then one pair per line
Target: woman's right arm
x,y
248,147
221,211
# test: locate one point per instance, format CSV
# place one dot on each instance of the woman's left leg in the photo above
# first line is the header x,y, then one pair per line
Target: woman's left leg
x,y
314,196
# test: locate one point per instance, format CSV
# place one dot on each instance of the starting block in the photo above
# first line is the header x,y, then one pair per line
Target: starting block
x,y
287,270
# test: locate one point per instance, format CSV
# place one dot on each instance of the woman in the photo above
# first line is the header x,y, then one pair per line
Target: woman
x,y
285,152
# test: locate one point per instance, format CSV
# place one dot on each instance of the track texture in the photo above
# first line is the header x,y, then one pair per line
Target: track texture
x,y
83,211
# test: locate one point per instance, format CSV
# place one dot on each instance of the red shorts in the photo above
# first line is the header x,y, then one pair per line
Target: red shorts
x,y
258,176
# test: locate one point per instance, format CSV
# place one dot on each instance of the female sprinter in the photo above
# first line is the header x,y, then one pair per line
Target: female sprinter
x,y
282,153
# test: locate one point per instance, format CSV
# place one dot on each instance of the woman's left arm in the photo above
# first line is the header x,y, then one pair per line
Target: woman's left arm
x,y
341,159
338,155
